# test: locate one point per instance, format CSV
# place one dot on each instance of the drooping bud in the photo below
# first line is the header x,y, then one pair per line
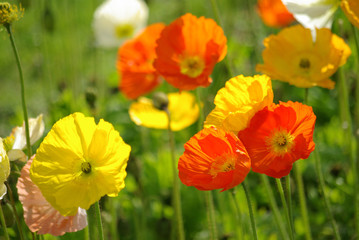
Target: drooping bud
x,y
160,100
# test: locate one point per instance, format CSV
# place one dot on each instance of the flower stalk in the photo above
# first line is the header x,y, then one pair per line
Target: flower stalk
x,y
285,206
23,101
95,222
3,222
250,209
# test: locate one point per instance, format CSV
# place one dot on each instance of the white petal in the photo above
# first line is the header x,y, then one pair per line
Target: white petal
x,y
313,13
36,130
16,154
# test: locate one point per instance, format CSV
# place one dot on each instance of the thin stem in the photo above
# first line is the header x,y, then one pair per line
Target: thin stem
x,y
12,202
176,186
250,209
302,201
273,204
3,222
285,206
26,119
355,160
289,199
95,222
239,215
219,20
328,209
211,218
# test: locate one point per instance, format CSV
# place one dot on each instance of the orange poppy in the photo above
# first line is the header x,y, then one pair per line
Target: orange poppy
x,y
134,64
274,13
187,51
278,136
351,10
213,159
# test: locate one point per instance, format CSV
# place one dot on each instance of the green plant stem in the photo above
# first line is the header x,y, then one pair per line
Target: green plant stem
x,y
273,204
239,214
3,222
285,206
176,186
95,222
355,160
23,101
328,209
250,209
219,20
289,199
211,218
302,201
17,219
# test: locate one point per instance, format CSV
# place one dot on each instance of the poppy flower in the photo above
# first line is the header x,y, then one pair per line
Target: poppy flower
x,y
116,21
16,142
351,10
134,64
279,135
188,50
238,101
78,162
274,13
293,57
4,169
313,14
213,159
183,109
39,215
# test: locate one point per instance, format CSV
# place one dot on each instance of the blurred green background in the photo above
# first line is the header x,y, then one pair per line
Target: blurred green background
x,y
64,72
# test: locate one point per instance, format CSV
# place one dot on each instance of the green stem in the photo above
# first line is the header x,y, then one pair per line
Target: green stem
x,y
302,201
211,218
273,204
328,209
239,215
219,20
26,120
250,209
285,206
95,222
12,202
289,199
176,186
3,222
355,160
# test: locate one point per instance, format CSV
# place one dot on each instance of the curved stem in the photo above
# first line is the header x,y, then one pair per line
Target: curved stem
x,y
176,186
302,201
326,201
239,215
24,109
3,222
250,209
285,206
12,202
274,207
289,199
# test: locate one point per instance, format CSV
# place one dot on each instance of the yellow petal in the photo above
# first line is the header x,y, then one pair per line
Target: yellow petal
x,y
182,107
239,100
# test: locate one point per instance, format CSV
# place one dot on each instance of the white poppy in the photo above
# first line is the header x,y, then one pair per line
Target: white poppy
x,y
36,130
313,13
118,20
4,169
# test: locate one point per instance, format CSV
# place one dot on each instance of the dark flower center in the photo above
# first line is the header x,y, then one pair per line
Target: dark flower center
x,y
304,63
86,167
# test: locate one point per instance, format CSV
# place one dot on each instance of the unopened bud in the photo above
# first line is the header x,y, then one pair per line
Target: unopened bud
x,y
160,100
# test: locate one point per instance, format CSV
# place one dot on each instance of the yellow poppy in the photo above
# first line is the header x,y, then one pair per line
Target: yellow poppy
x,y
79,162
351,10
182,107
293,57
239,100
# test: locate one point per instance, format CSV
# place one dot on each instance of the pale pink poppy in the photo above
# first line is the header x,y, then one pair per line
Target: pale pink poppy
x,y
39,215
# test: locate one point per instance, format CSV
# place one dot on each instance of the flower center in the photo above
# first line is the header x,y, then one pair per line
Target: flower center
x,y
86,167
192,66
280,142
224,163
124,30
304,63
